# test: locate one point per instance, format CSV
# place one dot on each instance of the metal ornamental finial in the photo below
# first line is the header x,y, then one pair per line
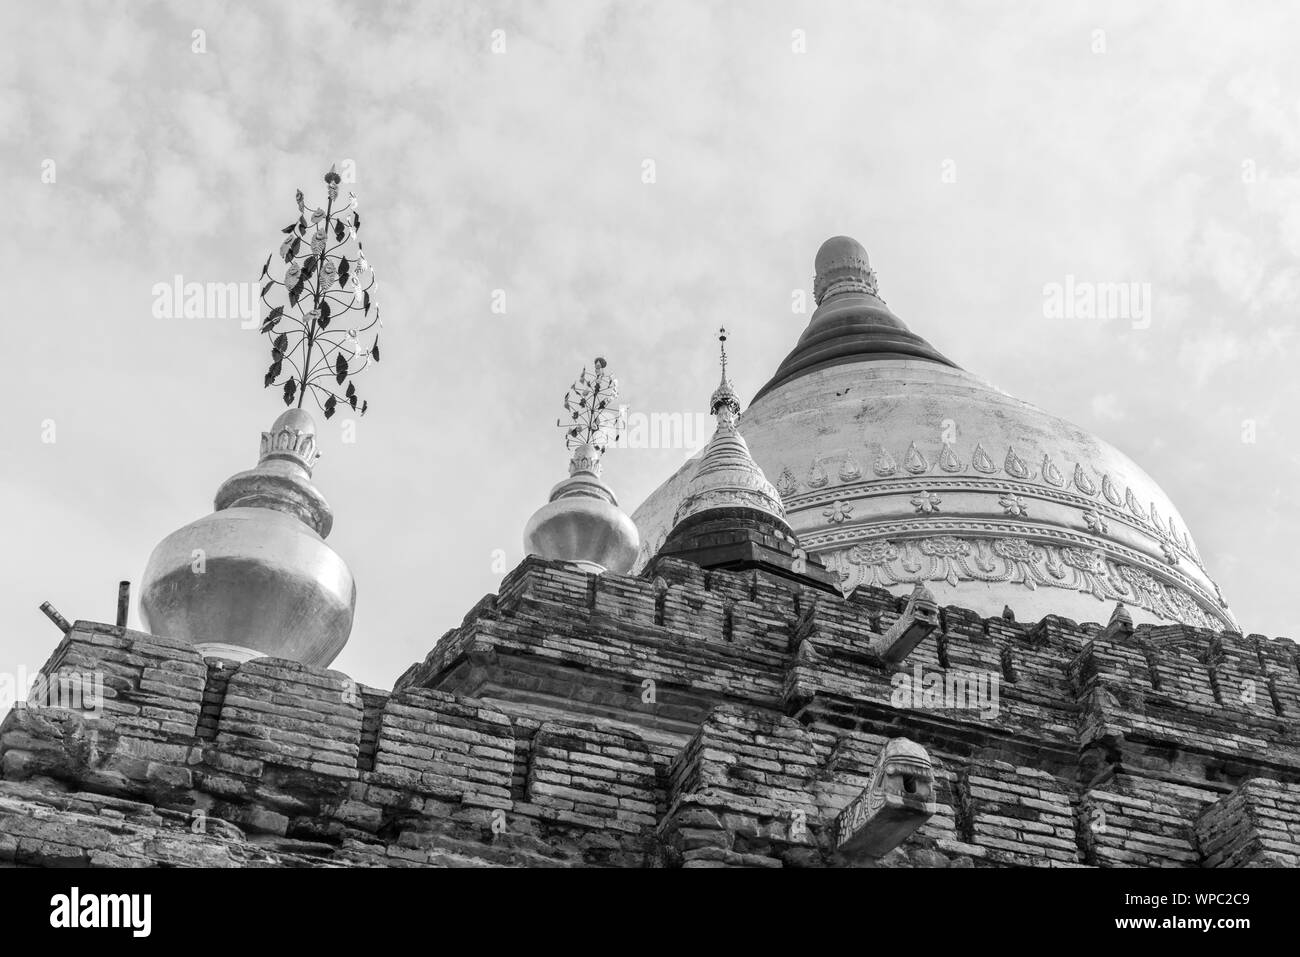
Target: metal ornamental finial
x,y
326,280
724,404
593,416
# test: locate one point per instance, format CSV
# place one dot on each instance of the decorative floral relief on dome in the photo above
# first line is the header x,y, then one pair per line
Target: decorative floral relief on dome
x,y
944,546
1085,559
837,512
1051,474
1013,504
1082,482
1131,501
849,470
1012,560
1096,524
817,476
1021,559
981,461
914,461
1159,525
926,502
1108,490
874,553
787,484
885,465
1015,466
948,460
1171,556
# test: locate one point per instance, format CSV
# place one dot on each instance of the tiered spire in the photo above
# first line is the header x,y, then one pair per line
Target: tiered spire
x,y
727,475
731,516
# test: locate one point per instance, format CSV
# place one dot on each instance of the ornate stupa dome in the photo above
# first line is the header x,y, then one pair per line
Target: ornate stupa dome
x,y
897,467
256,578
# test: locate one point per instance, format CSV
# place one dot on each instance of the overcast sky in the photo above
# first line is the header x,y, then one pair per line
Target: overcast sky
x,y
978,151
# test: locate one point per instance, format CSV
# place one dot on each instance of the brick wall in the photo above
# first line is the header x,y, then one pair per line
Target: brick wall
x,y
695,718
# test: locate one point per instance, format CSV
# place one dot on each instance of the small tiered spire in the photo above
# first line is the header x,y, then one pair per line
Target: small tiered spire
x,y
724,404
731,516
727,475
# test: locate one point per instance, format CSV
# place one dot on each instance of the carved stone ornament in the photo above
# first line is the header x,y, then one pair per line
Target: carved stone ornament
x,y
884,465
955,559
981,461
787,484
899,799
914,461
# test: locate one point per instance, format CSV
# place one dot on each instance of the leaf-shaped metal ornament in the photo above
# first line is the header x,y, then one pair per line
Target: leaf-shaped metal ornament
x,y
271,318
317,250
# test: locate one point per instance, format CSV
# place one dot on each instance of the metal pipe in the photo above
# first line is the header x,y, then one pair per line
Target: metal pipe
x,y
123,602
53,615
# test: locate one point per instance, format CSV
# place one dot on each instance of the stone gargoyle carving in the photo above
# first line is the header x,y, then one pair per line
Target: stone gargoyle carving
x,y
899,799
919,620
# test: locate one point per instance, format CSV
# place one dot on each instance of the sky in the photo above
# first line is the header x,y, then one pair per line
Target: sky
x,y
546,182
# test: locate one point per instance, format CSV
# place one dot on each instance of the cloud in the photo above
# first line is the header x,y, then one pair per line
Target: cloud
x,y
522,171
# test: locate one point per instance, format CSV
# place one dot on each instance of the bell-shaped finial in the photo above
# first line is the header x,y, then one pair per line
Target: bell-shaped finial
x,y
582,523
255,578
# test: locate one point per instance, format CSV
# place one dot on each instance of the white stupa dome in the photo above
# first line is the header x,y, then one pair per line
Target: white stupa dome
x,y
897,467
